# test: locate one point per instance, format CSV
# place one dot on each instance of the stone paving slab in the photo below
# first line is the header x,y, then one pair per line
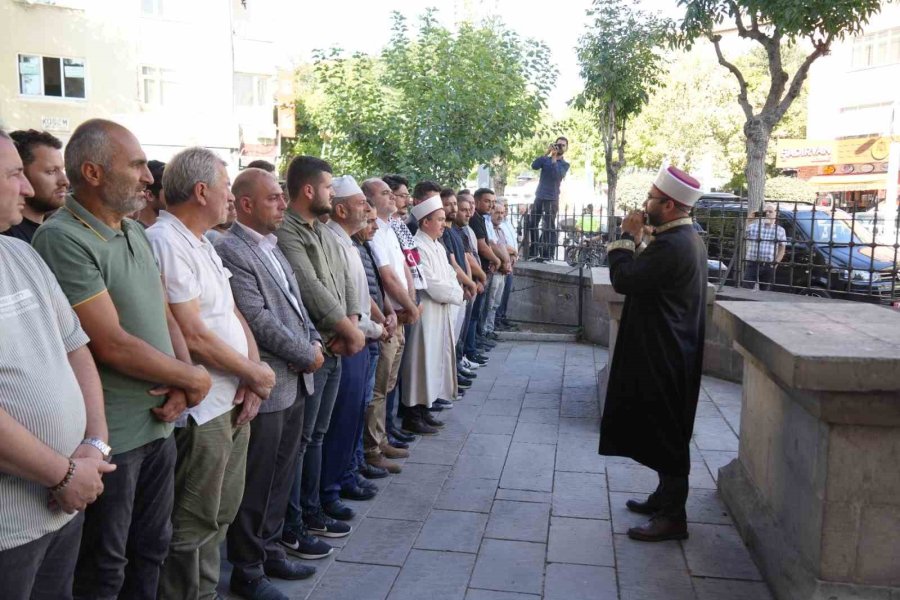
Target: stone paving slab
x,y
512,502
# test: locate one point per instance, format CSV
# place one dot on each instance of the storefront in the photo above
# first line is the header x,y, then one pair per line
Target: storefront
x,y
851,173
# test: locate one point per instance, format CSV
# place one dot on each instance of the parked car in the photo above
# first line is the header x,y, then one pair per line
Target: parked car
x,y
884,227
829,253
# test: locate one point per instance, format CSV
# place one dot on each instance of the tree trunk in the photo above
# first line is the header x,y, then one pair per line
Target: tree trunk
x,y
758,134
612,180
612,169
500,177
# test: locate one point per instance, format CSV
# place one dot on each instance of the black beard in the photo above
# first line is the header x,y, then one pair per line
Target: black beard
x,y
39,205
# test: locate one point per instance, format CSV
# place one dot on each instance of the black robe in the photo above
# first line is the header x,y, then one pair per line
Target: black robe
x,y
654,378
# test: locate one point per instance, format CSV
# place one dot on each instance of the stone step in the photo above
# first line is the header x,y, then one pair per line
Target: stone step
x,y
537,336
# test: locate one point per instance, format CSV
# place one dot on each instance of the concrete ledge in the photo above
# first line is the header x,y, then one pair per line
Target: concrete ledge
x,y
535,336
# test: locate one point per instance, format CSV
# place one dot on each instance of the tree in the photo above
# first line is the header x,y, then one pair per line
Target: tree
x,y
620,63
771,23
434,104
790,189
694,122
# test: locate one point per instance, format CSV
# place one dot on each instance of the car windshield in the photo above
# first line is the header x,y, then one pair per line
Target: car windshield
x,y
822,229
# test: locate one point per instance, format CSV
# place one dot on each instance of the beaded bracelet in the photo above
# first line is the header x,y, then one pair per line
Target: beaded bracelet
x,y
65,480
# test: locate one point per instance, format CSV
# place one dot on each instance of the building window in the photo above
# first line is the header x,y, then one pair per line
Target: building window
x,y
252,90
159,87
876,49
51,76
152,8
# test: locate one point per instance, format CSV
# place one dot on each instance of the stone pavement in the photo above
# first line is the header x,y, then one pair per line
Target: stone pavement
x,y
512,502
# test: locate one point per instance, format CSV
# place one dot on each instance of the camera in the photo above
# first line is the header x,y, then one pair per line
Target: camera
x,y
555,147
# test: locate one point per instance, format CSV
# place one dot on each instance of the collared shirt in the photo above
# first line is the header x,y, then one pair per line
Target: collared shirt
x,y
762,241
38,389
552,174
90,258
318,262
452,240
387,251
489,227
507,228
357,272
501,235
192,270
268,245
23,231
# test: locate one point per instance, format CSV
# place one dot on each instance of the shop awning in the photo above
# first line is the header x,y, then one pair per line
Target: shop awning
x,y
849,183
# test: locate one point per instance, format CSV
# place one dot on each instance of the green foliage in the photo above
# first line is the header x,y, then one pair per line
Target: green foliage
x,y
771,24
632,189
790,189
434,104
620,58
694,118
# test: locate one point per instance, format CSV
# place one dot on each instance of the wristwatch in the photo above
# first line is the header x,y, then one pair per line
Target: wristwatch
x,y
104,448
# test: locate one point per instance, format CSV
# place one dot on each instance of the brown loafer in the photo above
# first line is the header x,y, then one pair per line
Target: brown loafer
x,y
394,453
660,528
384,463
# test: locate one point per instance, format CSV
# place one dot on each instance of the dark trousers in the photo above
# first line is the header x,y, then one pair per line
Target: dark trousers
x,y
464,332
671,496
128,529
359,458
759,272
271,464
347,418
42,569
544,211
504,301
316,418
477,309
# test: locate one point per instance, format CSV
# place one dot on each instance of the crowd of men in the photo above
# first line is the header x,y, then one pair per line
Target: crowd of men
x,y
189,361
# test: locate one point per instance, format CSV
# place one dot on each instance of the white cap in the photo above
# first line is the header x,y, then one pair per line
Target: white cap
x,y
427,207
345,186
678,185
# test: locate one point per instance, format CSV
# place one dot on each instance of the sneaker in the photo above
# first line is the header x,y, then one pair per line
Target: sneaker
x,y
305,545
261,587
468,364
322,525
467,373
463,383
338,510
491,335
477,359
444,403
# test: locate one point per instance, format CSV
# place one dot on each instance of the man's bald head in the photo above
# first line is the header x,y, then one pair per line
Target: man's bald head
x,y
93,141
379,194
249,181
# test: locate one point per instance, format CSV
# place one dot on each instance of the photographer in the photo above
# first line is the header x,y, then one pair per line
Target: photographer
x,y
546,198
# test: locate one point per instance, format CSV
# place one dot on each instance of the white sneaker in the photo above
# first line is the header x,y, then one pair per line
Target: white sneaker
x,y
469,364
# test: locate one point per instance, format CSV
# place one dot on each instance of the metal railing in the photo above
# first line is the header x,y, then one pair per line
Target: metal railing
x,y
823,251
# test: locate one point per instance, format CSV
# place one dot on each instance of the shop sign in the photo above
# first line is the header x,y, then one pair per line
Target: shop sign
x,y
793,154
54,123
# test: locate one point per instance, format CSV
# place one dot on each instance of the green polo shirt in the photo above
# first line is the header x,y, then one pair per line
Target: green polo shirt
x,y
89,258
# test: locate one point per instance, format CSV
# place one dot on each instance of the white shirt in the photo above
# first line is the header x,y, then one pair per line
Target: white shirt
x,y
491,234
387,251
511,238
370,328
191,270
268,244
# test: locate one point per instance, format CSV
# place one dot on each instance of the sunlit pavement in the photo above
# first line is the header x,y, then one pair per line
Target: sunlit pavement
x,y
512,502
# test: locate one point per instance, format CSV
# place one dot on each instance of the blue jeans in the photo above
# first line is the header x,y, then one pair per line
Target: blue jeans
x,y
316,418
474,334
360,457
504,302
339,445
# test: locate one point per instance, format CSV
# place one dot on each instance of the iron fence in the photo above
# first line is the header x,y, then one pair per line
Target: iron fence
x,y
797,248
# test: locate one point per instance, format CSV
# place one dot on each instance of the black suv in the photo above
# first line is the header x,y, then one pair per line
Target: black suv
x,y
829,253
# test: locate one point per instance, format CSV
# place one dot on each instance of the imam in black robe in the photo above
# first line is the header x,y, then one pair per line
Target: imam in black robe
x,y
654,378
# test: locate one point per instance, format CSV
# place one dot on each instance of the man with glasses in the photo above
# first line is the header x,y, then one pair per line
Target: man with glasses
x,y
654,378
765,243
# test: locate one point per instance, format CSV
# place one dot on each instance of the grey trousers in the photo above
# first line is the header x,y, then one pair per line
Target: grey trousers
x,y
43,569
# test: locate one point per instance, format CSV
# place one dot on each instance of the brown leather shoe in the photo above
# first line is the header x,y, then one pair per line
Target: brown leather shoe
x,y
659,529
413,422
642,508
393,453
382,462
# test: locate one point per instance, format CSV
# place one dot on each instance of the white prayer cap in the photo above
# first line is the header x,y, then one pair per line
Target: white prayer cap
x,y
345,186
678,185
427,207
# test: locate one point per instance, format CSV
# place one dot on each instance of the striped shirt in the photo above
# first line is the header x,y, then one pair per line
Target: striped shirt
x,y
38,388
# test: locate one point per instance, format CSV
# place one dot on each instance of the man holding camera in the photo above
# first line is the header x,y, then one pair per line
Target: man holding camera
x,y
546,198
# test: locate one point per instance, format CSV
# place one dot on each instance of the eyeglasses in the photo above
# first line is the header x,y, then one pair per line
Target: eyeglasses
x,y
405,196
657,198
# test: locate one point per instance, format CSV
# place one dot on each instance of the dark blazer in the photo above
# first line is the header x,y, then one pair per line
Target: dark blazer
x,y
284,334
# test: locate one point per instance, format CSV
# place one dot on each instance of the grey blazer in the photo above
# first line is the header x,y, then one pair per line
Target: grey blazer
x,y
284,334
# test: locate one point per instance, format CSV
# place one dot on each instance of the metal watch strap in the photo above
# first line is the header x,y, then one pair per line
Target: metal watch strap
x,y
100,445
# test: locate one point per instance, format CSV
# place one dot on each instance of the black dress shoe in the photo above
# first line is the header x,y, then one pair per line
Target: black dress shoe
x,y
338,510
659,529
492,336
402,436
642,508
426,416
463,381
372,472
288,569
364,483
414,422
358,493
260,588
395,443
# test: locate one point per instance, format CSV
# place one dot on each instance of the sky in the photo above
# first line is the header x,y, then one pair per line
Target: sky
x,y
364,25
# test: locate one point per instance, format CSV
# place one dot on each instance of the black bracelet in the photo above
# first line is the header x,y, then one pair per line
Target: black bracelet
x,y
65,480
